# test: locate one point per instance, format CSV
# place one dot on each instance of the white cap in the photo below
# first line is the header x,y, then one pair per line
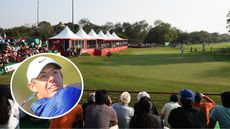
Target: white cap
x,y
142,94
36,66
125,97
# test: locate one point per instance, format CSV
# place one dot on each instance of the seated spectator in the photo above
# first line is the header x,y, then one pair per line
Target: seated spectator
x,y
144,118
90,99
139,96
99,115
187,116
221,113
72,119
205,106
124,112
108,101
9,117
168,107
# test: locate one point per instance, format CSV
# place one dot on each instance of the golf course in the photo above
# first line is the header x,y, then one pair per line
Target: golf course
x,y
160,69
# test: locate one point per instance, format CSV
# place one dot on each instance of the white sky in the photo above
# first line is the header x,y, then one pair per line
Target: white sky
x,y
186,15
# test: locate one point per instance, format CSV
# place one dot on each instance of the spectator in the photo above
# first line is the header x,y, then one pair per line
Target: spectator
x,y
187,116
90,99
168,107
99,115
139,96
205,106
108,101
9,117
124,112
70,120
144,118
221,113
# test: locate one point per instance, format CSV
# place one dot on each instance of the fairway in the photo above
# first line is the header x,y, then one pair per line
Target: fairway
x,y
157,70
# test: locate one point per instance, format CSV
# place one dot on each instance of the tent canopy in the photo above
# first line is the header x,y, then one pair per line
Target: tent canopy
x,y
109,35
66,33
103,36
81,33
94,35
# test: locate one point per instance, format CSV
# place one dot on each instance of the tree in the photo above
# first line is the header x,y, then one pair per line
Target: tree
x,y
161,33
228,21
43,31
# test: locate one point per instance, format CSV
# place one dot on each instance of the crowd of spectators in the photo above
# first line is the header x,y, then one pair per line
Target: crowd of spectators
x,y
186,110
18,50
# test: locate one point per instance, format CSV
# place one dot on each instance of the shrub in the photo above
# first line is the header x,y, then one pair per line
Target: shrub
x,y
85,54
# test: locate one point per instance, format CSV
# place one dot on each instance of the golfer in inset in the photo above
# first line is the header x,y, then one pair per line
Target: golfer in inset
x,y
45,80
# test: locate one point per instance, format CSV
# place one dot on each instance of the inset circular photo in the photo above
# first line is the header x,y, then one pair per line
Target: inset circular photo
x,y
47,86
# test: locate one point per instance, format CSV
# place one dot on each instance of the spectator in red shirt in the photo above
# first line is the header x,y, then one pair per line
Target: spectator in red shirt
x,y
205,106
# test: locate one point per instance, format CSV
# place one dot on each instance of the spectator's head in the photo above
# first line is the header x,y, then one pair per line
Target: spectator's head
x,y
91,97
101,97
145,105
225,98
142,94
125,98
186,98
44,77
108,101
174,98
198,97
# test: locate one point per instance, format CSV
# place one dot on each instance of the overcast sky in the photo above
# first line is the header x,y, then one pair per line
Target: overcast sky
x,y
186,15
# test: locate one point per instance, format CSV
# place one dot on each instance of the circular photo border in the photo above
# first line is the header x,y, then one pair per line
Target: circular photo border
x,y
22,94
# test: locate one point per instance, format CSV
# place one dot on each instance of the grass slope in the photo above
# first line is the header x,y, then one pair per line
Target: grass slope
x,y
157,69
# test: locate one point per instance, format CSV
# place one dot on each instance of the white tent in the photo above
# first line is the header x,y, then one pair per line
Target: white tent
x,y
103,36
66,33
115,36
81,33
94,35
109,35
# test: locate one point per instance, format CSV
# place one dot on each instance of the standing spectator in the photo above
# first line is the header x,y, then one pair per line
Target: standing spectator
x,y
72,119
9,117
221,113
205,106
168,107
144,118
124,112
187,116
99,115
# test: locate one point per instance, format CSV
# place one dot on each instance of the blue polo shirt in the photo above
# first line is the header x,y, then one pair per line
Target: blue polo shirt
x,y
59,104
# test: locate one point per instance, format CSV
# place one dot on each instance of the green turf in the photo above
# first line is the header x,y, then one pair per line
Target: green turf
x,y
157,69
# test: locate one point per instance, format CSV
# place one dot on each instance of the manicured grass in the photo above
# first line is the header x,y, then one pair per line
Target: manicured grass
x,y
154,70
157,69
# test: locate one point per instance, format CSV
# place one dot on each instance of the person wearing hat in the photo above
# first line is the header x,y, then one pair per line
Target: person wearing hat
x,y
45,80
123,110
187,116
141,95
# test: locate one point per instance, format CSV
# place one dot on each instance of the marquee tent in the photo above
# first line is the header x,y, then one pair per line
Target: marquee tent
x,y
103,36
81,33
109,36
66,33
94,35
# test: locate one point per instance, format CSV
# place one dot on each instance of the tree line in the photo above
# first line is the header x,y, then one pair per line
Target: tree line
x,y
138,32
